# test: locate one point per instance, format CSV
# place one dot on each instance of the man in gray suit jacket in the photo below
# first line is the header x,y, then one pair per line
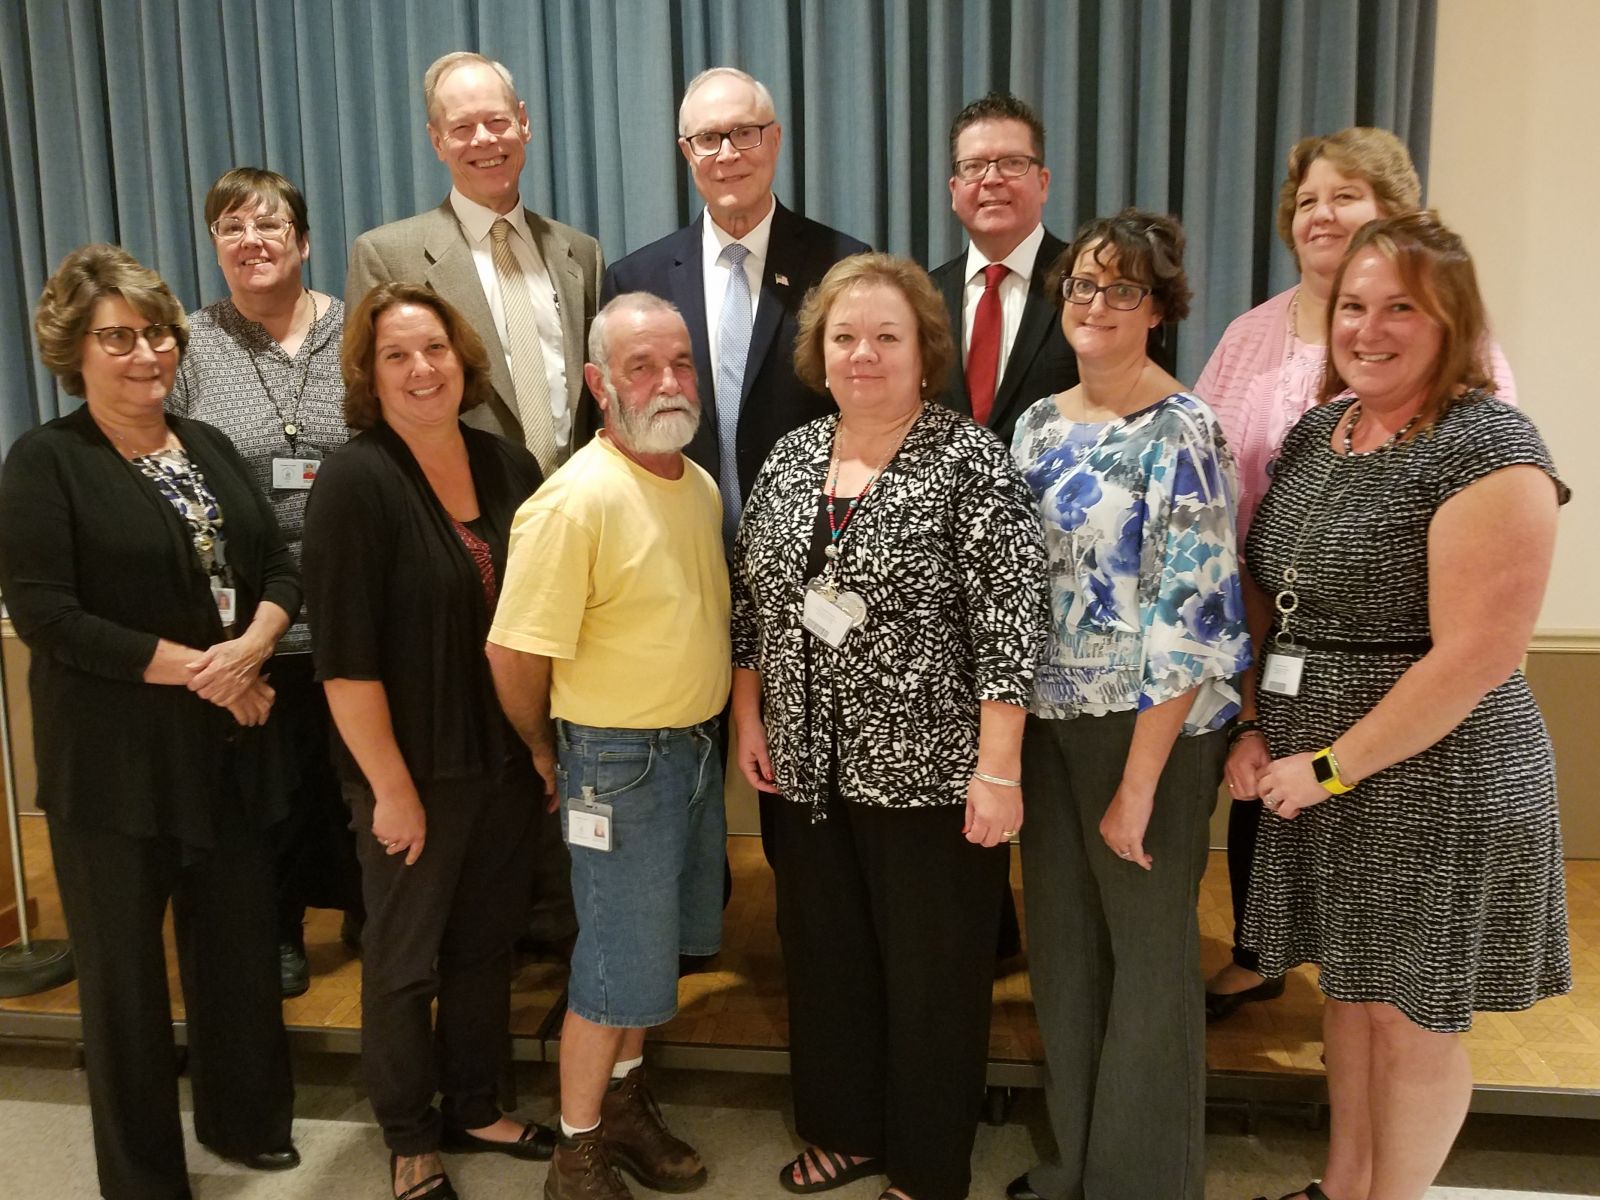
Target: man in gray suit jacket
x,y
545,287
527,284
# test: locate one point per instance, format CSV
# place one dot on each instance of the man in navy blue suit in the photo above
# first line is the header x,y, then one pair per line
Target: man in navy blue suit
x,y
738,275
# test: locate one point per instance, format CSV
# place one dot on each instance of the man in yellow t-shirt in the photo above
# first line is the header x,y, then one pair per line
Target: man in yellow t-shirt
x,y
611,657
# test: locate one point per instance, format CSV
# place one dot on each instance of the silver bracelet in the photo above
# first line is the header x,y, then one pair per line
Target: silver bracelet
x,y
996,780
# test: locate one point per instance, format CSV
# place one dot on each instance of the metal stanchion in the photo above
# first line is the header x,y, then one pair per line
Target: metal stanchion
x,y
27,966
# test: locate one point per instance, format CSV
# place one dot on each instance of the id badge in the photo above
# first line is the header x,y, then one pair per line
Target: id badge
x,y
227,600
823,617
589,824
296,474
1281,672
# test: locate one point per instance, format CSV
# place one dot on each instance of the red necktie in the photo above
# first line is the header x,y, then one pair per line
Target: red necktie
x,y
983,355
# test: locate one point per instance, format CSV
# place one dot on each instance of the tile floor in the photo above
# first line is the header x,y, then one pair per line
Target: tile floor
x,y
740,1123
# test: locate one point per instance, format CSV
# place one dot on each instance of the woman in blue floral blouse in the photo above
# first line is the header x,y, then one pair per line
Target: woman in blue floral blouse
x,y
1123,749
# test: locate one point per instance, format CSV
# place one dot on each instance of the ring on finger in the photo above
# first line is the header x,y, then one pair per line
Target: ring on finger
x,y
1124,853
1008,833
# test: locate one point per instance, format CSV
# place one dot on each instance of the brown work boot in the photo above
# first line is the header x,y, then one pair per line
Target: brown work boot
x,y
581,1170
640,1142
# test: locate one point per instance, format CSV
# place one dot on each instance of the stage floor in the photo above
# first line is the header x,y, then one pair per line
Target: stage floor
x,y
733,1015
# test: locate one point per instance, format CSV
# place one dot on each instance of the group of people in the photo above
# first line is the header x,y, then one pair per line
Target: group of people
x,y
944,560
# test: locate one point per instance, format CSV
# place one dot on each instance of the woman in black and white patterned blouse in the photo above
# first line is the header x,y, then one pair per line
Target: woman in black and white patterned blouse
x,y
263,367
888,605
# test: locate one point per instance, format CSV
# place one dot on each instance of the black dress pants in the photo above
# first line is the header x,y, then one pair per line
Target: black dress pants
x,y
888,919
115,889
1244,819
443,929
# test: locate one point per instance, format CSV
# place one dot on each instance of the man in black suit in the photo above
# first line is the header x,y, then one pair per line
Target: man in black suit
x,y
1012,348
738,275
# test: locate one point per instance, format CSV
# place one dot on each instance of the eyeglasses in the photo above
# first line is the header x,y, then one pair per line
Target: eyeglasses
x,y
741,137
467,130
233,229
117,340
1012,166
1123,296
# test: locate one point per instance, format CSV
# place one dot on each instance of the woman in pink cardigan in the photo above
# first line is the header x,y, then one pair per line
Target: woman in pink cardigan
x,y
1262,377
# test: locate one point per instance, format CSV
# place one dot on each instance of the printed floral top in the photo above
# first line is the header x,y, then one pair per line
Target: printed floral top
x,y
1145,595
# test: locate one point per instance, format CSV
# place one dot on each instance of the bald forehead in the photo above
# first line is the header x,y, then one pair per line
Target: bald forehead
x,y
710,100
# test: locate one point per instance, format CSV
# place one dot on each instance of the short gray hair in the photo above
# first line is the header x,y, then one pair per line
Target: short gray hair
x,y
763,96
599,339
446,63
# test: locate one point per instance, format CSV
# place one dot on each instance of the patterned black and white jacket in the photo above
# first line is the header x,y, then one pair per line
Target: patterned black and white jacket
x,y
947,553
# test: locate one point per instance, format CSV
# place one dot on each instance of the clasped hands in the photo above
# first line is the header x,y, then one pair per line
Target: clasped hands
x,y
229,676
1285,786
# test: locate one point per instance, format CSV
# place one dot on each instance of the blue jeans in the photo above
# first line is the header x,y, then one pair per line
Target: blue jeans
x,y
657,893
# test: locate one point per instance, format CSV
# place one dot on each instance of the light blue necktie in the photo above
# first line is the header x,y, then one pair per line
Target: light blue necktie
x,y
733,348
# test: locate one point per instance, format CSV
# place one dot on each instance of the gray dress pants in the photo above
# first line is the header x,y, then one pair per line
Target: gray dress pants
x,y
1114,954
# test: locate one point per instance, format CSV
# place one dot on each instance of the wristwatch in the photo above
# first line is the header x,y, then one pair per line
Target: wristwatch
x,y
1326,768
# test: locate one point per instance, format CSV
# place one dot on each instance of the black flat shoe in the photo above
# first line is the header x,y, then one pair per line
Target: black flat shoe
x,y
434,1187
1020,1189
267,1160
1221,1005
1311,1191
537,1143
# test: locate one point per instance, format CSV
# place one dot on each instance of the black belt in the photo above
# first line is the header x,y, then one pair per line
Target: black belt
x,y
1401,646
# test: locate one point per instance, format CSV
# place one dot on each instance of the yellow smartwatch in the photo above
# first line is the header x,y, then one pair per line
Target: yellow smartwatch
x,y
1326,768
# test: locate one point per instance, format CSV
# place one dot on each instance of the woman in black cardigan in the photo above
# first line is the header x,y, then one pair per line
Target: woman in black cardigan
x,y
405,544
148,579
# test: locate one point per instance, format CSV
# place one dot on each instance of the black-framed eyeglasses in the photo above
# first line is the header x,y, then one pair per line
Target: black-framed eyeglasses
x,y
1012,166
1122,296
117,340
741,137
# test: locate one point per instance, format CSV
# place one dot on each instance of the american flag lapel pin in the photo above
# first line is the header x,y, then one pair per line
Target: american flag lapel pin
x,y
783,279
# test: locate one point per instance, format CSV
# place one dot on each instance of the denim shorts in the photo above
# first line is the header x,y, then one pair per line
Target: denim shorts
x,y
657,893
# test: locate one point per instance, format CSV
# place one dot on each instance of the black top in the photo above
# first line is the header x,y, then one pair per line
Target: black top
x,y
96,567
773,400
394,596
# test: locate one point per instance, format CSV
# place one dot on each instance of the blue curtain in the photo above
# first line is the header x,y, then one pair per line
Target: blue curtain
x,y
118,114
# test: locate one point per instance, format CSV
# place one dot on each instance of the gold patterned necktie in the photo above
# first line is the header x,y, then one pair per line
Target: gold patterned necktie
x,y
525,352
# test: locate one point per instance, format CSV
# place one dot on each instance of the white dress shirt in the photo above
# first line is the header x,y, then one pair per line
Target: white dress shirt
x,y
1013,295
713,240
476,222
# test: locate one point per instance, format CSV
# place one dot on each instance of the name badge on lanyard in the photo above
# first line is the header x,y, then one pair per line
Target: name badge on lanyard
x,y
296,474
1282,670
227,602
831,614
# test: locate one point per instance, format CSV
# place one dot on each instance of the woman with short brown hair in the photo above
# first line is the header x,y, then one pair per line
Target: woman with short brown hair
x,y
150,582
406,540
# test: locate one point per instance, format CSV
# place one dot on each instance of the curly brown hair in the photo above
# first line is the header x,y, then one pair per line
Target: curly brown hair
x,y
1437,272
1147,248
361,407
864,270
66,306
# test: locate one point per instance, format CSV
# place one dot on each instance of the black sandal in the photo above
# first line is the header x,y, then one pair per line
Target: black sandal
x,y
434,1187
1311,1191
829,1171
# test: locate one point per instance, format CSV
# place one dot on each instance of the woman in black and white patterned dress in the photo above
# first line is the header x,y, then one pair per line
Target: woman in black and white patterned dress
x,y
888,605
1411,846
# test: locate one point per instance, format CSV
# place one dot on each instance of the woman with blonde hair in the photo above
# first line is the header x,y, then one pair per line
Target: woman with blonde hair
x,y
1264,375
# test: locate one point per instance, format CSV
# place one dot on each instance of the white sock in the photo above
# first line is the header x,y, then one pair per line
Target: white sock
x,y
569,1131
622,1069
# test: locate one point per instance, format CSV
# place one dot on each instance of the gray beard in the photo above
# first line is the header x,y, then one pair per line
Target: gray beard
x,y
652,431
